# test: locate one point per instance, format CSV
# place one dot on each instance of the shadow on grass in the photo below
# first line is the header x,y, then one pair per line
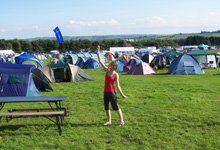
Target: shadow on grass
x,y
161,73
13,128
19,127
83,124
147,74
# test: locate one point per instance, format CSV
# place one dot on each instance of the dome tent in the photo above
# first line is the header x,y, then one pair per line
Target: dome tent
x,y
71,59
17,80
185,64
147,58
141,68
64,73
81,61
19,59
120,65
33,61
91,64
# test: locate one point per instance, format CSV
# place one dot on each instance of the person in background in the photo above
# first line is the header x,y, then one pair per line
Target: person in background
x,y
164,63
110,95
219,62
110,56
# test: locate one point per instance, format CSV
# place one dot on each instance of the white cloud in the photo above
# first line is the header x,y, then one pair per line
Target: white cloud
x,y
81,24
39,28
19,29
3,30
214,13
151,20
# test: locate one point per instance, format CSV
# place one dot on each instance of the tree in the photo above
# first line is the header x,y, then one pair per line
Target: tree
x,y
16,45
9,46
26,46
122,43
3,44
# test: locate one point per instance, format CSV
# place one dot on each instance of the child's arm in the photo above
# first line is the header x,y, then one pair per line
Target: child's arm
x,y
100,60
118,85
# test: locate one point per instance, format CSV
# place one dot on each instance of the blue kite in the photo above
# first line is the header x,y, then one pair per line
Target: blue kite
x,y
58,35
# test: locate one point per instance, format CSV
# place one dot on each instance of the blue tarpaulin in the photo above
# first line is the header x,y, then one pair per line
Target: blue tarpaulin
x,y
58,35
19,59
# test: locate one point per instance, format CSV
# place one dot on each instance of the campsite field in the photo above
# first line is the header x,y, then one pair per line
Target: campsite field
x,y
162,112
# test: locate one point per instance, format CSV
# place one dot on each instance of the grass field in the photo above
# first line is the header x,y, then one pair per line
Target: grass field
x,y
162,112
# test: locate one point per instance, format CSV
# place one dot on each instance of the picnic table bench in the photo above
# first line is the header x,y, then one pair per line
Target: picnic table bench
x,y
58,111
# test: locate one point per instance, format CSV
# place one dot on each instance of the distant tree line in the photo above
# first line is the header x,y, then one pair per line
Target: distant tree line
x,y
197,40
42,45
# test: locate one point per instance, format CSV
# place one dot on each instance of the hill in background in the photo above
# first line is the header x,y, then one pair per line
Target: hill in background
x,y
182,35
136,36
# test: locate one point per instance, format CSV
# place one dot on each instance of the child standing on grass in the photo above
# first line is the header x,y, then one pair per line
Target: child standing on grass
x,y
111,77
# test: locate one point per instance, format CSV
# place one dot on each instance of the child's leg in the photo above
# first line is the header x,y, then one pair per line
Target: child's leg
x,y
120,117
108,113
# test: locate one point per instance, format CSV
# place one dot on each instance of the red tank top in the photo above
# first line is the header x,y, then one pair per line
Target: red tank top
x,y
109,83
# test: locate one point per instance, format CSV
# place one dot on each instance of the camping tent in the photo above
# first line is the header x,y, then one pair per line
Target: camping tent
x,y
87,54
147,58
81,61
33,61
64,73
91,64
126,58
127,68
133,61
19,59
2,59
172,53
103,58
80,55
120,65
185,64
41,81
206,59
54,61
141,68
158,61
17,80
71,59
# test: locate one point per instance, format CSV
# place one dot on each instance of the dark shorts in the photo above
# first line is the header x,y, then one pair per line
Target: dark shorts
x,y
111,97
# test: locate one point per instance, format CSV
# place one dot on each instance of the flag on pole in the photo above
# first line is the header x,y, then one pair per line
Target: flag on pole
x,y
58,35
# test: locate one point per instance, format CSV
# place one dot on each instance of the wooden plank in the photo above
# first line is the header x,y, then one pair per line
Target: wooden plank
x,y
33,114
36,109
65,109
32,99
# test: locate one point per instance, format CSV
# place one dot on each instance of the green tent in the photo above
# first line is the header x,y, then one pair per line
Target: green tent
x,y
64,73
199,52
33,61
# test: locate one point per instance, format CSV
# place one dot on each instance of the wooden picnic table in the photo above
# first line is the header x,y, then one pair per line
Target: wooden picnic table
x,y
54,111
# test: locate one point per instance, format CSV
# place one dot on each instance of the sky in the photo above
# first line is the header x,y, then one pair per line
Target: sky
x,y
23,19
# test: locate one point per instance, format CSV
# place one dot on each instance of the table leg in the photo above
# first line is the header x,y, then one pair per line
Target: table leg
x,y
2,105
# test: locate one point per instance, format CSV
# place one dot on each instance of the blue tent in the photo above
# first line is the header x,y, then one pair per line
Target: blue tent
x,y
60,62
185,64
17,80
2,59
91,64
133,61
81,61
121,65
19,59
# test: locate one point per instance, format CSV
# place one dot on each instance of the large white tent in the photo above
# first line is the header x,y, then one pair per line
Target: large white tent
x,y
6,52
206,59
